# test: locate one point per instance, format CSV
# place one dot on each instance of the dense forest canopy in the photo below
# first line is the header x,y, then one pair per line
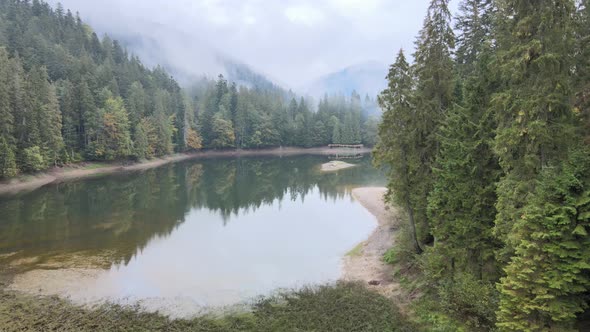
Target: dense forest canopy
x,y
67,95
236,116
486,136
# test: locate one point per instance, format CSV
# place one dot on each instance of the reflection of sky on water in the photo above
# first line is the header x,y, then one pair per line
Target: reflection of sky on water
x,y
201,232
215,263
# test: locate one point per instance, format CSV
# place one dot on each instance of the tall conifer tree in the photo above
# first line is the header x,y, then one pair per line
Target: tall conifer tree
x,y
433,71
461,204
532,108
397,148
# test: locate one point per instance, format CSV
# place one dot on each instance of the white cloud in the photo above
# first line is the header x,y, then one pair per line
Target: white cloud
x,y
304,14
355,7
292,41
217,12
250,20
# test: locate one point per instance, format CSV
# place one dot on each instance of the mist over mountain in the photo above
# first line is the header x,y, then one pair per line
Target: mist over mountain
x,y
367,78
205,63
189,64
263,48
243,74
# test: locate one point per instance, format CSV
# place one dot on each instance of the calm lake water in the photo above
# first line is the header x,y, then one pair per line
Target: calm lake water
x,y
212,232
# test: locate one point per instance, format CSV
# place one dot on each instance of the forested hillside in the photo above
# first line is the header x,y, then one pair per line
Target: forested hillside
x,y
236,116
67,95
487,138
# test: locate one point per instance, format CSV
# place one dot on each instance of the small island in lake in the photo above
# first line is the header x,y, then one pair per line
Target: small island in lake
x,y
335,165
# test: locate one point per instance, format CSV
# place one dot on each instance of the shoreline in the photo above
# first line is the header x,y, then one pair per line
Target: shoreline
x,y
362,264
365,262
81,170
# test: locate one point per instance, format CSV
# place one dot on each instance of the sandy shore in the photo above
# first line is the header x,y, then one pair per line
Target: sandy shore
x,y
59,174
366,264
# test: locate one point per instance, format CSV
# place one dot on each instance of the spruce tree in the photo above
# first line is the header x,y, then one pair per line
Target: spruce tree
x,y
178,106
45,123
206,117
461,204
318,133
474,27
8,166
303,125
582,67
87,114
433,72
582,34
336,136
547,280
433,67
7,119
20,105
233,107
51,126
136,103
145,139
532,108
141,142
292,109
70,116
163,124
397,148
539,203
114,132
223,133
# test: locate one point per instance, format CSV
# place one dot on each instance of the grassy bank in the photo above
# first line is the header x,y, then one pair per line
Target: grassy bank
x,y
342,307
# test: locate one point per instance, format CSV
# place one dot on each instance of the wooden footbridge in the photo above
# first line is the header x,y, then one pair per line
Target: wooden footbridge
x,y
348,146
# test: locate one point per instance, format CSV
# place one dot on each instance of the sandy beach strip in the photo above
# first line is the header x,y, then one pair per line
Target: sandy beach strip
x,y
367,264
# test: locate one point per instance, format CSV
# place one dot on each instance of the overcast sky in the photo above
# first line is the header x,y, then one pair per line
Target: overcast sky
x,y
291,41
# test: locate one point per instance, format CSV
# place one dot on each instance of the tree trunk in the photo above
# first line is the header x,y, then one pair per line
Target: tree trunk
x,y
417,247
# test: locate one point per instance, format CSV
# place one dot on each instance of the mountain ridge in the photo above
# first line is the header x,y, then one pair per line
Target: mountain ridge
x,y
366,78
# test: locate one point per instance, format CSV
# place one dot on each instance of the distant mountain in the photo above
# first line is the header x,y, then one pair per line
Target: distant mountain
x,y
244,75
364,78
